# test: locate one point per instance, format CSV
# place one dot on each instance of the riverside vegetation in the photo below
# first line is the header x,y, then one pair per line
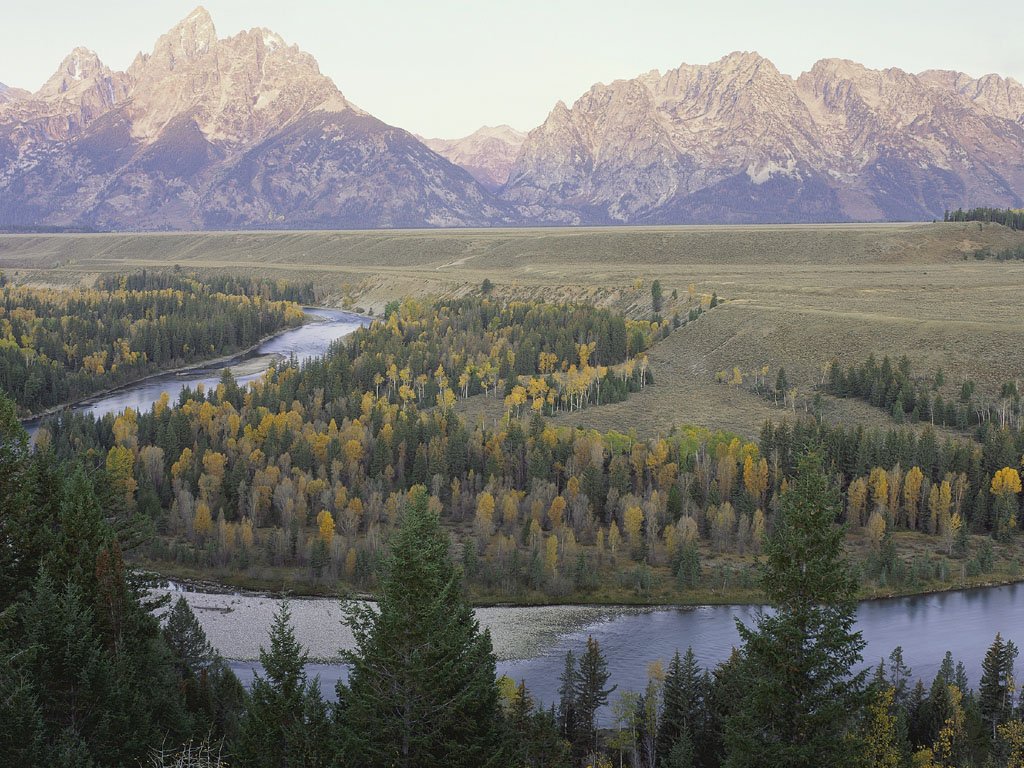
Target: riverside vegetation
x,y
304,476
89,677
58,346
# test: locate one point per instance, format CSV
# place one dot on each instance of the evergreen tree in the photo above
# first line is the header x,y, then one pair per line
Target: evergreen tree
x,y
682,712
656,296
997,688
286,724
567,711
422,689
212,691
803,699
591,695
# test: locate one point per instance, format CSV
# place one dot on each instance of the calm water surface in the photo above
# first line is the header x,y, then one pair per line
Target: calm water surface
x,y
310,340
927,626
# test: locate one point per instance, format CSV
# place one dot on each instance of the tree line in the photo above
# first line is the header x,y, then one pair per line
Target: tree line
x,y
1008,217
895,389
178,279
58,346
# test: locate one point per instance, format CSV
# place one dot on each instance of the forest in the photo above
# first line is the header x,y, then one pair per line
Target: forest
x,y
304,476
58,346
898,391
94,672
1008,217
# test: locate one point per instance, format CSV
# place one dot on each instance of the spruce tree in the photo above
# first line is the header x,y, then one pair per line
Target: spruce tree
x,y
287,723
567,714
682,711
996,691
422,689
803,701
591,695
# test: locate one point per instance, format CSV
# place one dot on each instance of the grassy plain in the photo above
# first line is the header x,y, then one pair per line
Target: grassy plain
x,y
797,295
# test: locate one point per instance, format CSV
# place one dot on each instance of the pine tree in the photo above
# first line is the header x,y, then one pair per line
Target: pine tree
x,y
803,699
997,688
287,721
682,712
591,695
567,710
422,689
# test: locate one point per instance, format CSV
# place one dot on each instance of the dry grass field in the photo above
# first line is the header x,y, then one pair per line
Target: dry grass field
x,y
797,296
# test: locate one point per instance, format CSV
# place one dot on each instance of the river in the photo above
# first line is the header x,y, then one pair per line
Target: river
x,y
309,340
531,643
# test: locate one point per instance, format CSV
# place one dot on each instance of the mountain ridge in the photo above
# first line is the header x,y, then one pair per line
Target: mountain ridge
x,y
247,132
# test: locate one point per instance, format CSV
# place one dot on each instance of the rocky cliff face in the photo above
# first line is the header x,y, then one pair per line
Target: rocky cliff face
x,y
738,141
487,153
204,132
246,132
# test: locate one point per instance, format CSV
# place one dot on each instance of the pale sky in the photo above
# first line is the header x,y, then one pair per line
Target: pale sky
x,y
445,67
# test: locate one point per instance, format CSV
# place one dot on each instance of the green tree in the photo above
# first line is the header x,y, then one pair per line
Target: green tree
x,y
656,297
422,689
591,694
682,711
287,724
803,701
997,688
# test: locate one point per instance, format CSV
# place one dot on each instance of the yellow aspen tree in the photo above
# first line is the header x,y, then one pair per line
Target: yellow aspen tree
x,y
245,533
878,482
484,520
726,475
750,477
556,512
510,509
912,496
1006,481
951,531
1006,485
669,537
686,530
614,537
183,464
353,516
325,524
757,531
1011,736
856,501
535,533
633,520
202,523
126,429
939,501
551,554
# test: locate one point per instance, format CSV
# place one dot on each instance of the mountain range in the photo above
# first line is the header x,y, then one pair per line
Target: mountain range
x,y
246,132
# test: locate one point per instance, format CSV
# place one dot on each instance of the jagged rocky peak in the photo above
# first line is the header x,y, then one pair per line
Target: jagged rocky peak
x,y
80,68
234,90
487,154
190,38
737,140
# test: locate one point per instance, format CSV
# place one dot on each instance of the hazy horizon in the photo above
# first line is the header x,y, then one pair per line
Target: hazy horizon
x,y
446,69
